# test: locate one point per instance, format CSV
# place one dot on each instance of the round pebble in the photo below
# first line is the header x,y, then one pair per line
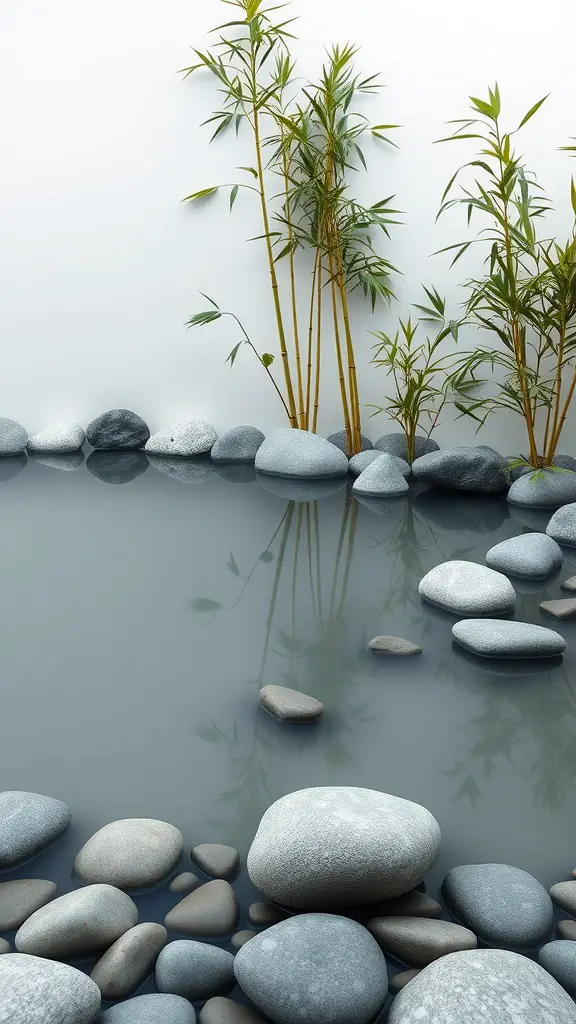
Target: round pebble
x,y
211,911
240,938
20,897
420,940
79,923
185,882
503,905
265,914
130,853
29,822
129,960
220,1010
150,1009
194,970
216,859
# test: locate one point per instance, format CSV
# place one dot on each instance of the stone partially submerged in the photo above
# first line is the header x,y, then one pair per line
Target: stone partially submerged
x,y
299,453
117,429
467,588
463,469
544,488
496,638
240,444
502,904
381,479
289,705
130,853
529,556
419,941
77,924
562,525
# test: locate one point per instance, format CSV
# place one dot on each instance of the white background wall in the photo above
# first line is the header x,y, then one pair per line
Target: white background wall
x,y
99,262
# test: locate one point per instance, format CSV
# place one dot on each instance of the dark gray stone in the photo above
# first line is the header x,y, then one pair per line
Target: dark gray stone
x,y
117,467
29,822
566,930
289,705
130,853
299,453
565,609
463,469
341,442
419,941
529,556
564,895
37,991
400,980
194,970
559,959
13,437
117,429
544,488
503,905
185,882
77,924
151,1009
263,915
220,1010
410,904
393,645
20,897
466,588
211,911
562,525
127,963
314,967
242,937
216,859
381,479
395,444
496,638
237,445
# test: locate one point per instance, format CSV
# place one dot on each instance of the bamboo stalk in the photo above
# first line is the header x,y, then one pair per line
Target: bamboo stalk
x,y
558,396
565,407
311,337
352,378
318,347
339,360
292,273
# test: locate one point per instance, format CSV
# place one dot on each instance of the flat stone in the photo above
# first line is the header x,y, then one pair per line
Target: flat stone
x,y
393,645
569,584
566,930
263,915
483,986
240,938
381,479
341,442
559,959
419,940
13,437
5,946
529,556
184,882
544,488
410,904
237,445
561,609
322,848
185,471
130,853
117,467
212,910
36,991
463,469
151,1009
20,897
117,429
503,905
562,525
79,923
64,437
216,859
29,822
194,970
400,980
564,895
129,960
466,588
395,444
290,705
220,1010
299,453
498,638
193,437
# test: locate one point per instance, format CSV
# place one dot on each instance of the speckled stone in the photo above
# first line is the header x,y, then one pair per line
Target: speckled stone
x,y
381,479
185,471
64,437
463,469
237,445
466,588
150,1009
565,609
322,848
290,705
419,940
263,915
566,930
185,882
559,959
130,853
216,859
395,444
220,1010
562,525
503,905
211,911
564,895
29,822
545,488
314,967
117,467
400,980
20,897
5,946
299,453
79,923
393,645
410,904
358,463
37,991
13,437
483,986
341,442
529,556
497,638
119,429
129,960
195,970
569,584
192,437
240,938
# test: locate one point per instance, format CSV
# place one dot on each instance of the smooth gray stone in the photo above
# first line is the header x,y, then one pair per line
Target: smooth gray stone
x,y
36,991
216,859
211,911
569,584
20,897
185,471
129,960
220,1010
314,967
194,970
13,437
322,848
185,882
299,453
300,490
466,588
566,930
240,938
544,488
117,467
419,940
29,822
562,525
497,638
64,463
393,645
79,923
565,609
290,705
237,445
395,444
559,959
381,479
530,556
263,915
483,986
11,465
151,1009
503,905
463,469
63,438
341,442
563,894
358,463
4,946
184,440
563,461
400,980
130,853
410,904
117,429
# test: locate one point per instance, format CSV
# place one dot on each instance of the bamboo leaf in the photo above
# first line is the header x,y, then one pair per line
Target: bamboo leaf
x,y
251,170
211,301
532,111
267,359
232,355
200,319
233,194
202,194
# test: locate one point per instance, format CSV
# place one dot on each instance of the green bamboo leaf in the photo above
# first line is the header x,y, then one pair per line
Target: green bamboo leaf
x,y
532,111
211,301
199,319
233,194
267,359
251,170
573,195
202,194
232,355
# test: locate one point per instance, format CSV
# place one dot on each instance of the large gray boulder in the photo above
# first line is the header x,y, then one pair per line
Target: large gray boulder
x,y
463,469
314,967
559,959
36,991
322,848
62,438
341,442
381,479
562,525
28,823
544,488
20,897
531,556
466,588
77,924
129,960
192,437
130,853
498,638
117,429
239,444
483,986
502,904
13,437
150,1009
194,970
299,453
395,444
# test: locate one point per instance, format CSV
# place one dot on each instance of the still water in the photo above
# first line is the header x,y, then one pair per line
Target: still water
x,y
143,606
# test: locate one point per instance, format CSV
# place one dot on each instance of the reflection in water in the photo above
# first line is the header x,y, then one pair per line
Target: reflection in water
x,y
455,510
510,667
117,467
66,463
536,519
300,490
11,465
235,472
186,471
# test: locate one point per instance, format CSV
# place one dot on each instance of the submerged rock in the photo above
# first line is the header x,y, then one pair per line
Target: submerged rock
x,y
395,444
65,437
151,1009
77,924
562,525
569,584
393,645
36,990
564,895
565,609
129,960
216,859
130,853
263,915
290,705
400,980
381,479
13,437
496,638
341,442
118,429
559,959
566,930
184,882
299,453
529,556
20,897
237,445
211,911
544,488
195,970
410,904
240,938
192,437
466,588
503,905
29,822
463,469
419,940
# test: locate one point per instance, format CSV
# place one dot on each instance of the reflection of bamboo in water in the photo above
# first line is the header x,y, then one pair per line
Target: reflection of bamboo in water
x,y
351,539
259,559
279,563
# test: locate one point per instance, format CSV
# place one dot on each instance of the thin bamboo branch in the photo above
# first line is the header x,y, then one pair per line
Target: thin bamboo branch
x,y
318,347
311,337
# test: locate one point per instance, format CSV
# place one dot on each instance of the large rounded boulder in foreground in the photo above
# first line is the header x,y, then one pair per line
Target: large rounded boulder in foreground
x,y
299,453
37,991
483,986
333,846
545,488
130,853
318,968
117,430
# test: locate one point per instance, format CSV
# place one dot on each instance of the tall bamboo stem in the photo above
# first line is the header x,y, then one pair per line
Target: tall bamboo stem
x,y
294,304
311,337
318,347
339,360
